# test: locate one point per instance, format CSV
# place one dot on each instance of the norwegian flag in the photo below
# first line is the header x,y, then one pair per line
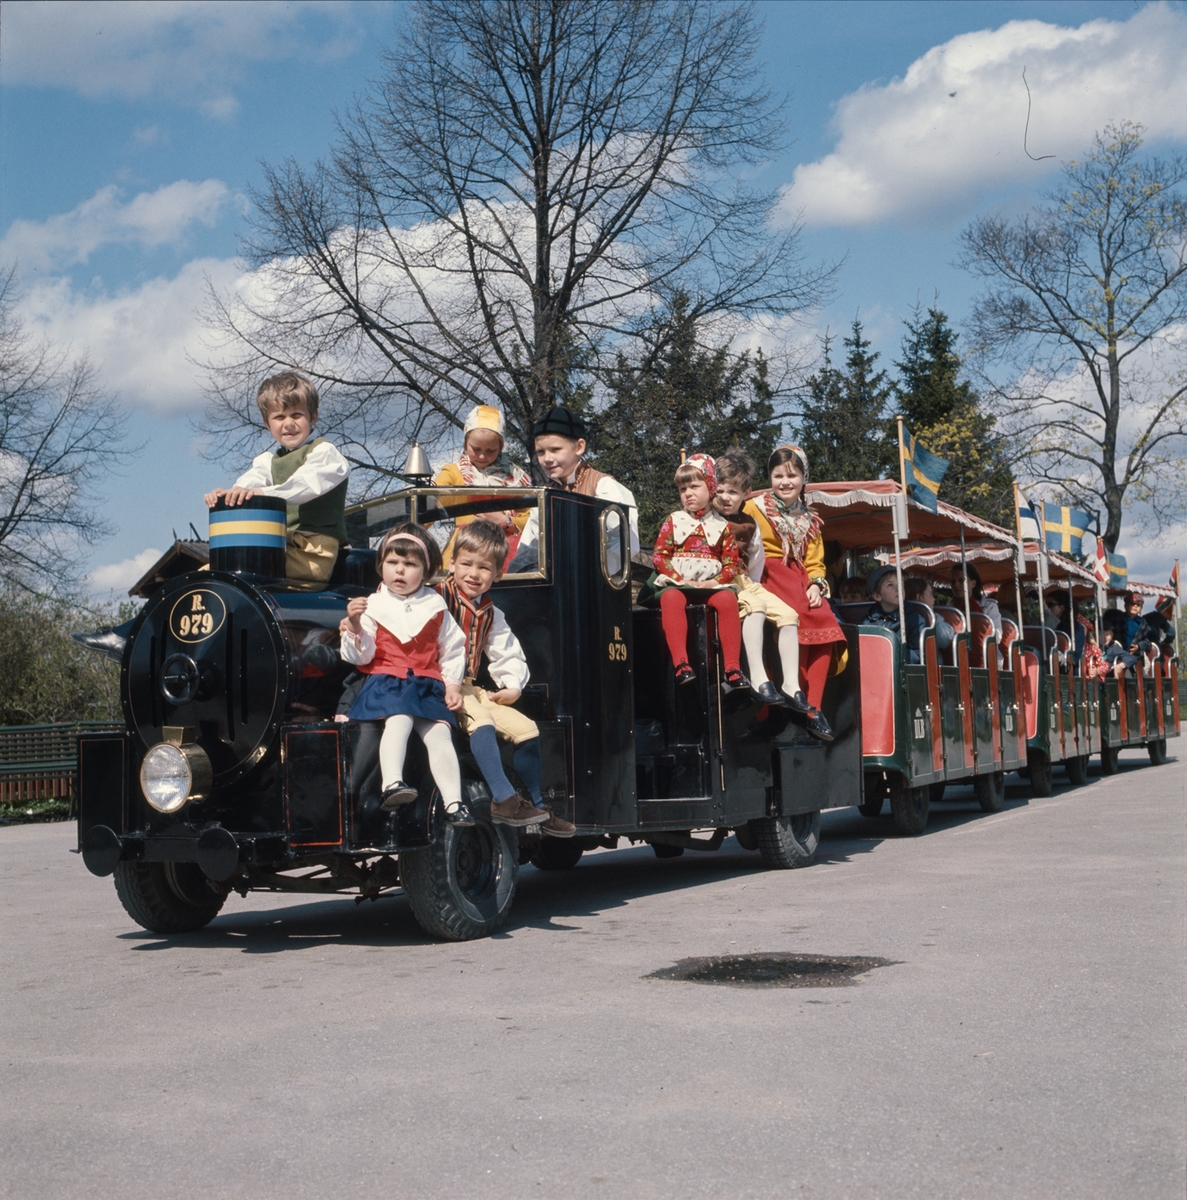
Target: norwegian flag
x,y
1101,569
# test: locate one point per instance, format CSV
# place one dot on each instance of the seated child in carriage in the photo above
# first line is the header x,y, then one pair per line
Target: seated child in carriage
x,y
307,472
479,551
482,465
696,558
756,605
413,653
884,612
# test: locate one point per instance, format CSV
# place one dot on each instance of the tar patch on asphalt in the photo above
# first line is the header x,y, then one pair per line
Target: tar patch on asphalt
x,y
782,970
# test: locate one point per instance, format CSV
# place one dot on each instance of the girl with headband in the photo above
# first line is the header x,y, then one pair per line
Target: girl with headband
x,y
794,571
696,558
414,654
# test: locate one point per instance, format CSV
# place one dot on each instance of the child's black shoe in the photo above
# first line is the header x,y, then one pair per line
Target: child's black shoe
x,y
399,793
797,702
735,681
460,816
768,693
685,674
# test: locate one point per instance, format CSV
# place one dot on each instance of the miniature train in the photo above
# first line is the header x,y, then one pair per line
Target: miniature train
x,y
231,773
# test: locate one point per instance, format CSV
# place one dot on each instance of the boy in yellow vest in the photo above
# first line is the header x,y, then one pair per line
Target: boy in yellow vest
x,y
307,472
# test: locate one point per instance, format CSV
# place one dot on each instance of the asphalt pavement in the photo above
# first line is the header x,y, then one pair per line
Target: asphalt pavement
x,y
1026,1038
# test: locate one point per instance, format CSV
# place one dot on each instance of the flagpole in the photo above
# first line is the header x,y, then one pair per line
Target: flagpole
x,y
898,552
1019,562
902,455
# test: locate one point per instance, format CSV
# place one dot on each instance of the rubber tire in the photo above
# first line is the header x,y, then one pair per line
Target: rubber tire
x,y
935,792
909,806
557,854
442,903
663,850
746,838
1041,784
1077,770
1157,751
875,793
788,842
990,791
167,897
1110,760
872,808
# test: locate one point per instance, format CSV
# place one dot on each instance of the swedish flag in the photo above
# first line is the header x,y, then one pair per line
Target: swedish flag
x,y
1065,527
923,471
1118,572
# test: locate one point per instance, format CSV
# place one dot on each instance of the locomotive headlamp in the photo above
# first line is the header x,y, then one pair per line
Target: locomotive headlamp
x,y
174,772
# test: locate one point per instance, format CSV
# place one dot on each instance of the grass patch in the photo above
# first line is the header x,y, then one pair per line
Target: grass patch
x,y
33,812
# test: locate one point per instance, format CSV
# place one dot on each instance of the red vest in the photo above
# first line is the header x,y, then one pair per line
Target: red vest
x,y
419,654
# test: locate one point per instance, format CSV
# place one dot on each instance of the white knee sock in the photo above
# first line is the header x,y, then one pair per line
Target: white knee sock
x,y
392,747
442,760
789,656
752,628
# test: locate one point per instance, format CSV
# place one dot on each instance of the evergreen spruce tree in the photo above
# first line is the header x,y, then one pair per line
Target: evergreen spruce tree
x,y
681,396
843,425
945,414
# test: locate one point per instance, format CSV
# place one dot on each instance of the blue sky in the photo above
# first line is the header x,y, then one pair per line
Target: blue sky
x,y
132,134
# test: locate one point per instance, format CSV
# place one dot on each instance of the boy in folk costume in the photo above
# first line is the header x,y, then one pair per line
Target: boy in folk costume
x,y
559,439
794,571
307,472
756,605
480,549
696,558
482,464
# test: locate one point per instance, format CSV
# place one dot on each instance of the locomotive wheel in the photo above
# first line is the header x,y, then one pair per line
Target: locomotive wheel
x,y
909,806
167,897
1040,773
1157,751
787,842
990,791
557,854
462,886
1109,760
746,838
1077,770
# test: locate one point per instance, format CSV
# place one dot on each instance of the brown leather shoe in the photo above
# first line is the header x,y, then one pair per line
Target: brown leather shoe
x,y
516,810
557,826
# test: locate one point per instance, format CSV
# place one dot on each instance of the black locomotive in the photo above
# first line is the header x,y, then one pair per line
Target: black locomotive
x,y
232,774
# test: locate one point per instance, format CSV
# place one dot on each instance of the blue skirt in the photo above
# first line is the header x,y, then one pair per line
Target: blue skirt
x,y
384,696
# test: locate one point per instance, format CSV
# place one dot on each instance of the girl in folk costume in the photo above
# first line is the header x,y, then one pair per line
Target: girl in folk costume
x,y
794,571
696,558
403,637
482,464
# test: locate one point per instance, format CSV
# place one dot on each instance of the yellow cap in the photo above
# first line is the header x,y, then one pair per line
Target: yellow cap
x,y
485,416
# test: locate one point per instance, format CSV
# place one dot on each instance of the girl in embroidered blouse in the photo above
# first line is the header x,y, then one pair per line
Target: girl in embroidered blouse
x,y
414,655
696,556
794,571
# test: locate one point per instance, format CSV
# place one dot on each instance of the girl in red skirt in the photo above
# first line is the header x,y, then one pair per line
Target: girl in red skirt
x,y
794,571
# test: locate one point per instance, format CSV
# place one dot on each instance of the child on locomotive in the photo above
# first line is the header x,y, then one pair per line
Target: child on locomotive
x,y
559,441
696,556
307,472
794,571
479,551
413,652
757,605
482,465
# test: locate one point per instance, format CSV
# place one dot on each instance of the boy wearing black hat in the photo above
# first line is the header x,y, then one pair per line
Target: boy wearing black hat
x,y
885,612
559,438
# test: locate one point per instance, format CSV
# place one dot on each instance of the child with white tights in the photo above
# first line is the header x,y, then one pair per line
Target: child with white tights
x,y
735,473
414,654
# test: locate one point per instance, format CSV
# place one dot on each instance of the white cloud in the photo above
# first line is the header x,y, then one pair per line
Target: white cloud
x,y
189,51
119,577
931,144
150,219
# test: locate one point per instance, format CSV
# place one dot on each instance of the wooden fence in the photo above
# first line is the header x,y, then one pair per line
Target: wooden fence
x,y
39,762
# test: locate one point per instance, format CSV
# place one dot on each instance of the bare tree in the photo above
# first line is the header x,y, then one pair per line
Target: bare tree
x,y
504,210
1087,302
58,435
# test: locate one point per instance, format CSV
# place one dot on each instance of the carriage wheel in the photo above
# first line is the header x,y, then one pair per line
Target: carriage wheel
x,y
936,792
1077,770
167,897
1040,773
462,885
788,842
875,793
1157,751
990,791
1110,758
909,806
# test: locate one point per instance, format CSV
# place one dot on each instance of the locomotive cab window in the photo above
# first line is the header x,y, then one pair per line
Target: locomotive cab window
x,y
616,557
